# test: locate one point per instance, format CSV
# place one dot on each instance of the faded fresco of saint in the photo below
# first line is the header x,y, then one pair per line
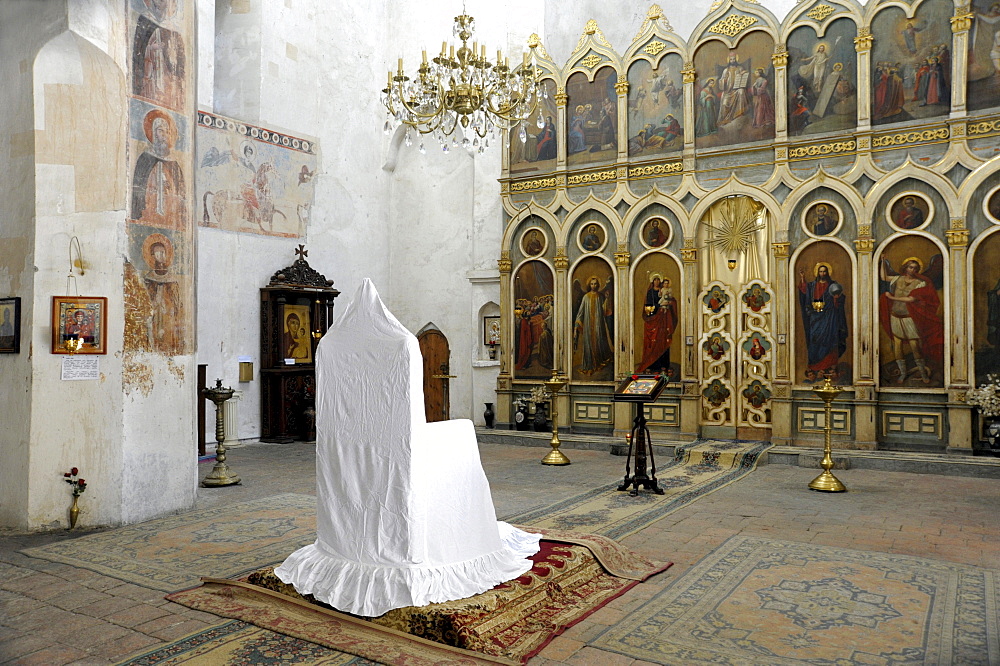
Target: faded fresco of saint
x,y
538,151
983,82
158,64
158,190
822,79
656,315
986,308
824,287
592,113
734,92
533,307
593,321
911,64
911,337
167,323
655,107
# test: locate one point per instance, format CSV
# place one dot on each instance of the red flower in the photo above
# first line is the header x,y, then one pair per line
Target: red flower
x,y
74,471
81,483
67,475
635,376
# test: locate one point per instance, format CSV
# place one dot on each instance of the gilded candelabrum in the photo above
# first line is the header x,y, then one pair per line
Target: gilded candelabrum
x,y
220,475
554,385
827,482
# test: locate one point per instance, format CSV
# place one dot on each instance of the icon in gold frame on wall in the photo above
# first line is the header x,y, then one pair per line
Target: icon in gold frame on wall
x,y
908,211
534,242
991,205
592,237
655,232
81,320
822,218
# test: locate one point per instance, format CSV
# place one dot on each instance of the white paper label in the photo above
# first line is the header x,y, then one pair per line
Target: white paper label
x,y
80,367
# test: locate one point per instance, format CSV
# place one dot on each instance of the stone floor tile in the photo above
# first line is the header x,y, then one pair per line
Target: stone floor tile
x,y
561,648
55,655
135,615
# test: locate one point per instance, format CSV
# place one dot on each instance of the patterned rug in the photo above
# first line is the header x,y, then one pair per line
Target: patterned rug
x,y
696,470
508,624
174,552
760,601
236,643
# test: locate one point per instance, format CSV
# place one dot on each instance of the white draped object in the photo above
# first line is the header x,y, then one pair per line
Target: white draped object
x,y
404,515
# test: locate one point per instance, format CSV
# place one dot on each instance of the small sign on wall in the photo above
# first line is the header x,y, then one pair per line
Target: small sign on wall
x,y
80,367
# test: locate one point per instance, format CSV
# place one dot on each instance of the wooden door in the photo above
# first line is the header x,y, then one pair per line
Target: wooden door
x,y
435,351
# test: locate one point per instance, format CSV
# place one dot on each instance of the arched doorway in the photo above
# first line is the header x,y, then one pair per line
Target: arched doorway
x,y
436,356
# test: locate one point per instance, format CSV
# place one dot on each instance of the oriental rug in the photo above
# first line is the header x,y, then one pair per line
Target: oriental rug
x,y
236,643
508,624
761,601
172,553
696,470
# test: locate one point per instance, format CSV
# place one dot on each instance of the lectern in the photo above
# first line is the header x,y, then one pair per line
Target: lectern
x,y
640,389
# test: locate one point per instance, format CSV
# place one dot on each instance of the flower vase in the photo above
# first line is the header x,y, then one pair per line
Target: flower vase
x,y
489,415
74,512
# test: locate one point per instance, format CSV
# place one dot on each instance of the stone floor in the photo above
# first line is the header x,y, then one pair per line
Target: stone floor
x,y
57,614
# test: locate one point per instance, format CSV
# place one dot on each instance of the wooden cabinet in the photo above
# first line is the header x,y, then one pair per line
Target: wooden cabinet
x,y
296,309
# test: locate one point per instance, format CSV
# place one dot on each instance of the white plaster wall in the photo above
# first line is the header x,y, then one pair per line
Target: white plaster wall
x,y
205,36
26,26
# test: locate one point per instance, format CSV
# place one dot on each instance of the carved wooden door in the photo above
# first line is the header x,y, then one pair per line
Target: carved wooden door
x,y
435,351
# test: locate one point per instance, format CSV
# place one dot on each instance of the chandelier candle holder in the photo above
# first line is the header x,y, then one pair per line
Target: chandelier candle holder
x,y
553,386
827,482
461,88
220,475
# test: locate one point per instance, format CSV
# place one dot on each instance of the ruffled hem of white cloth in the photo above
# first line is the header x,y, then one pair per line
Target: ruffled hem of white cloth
x,y
371,590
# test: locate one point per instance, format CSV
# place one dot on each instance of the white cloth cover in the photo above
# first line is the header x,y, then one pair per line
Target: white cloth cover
x,y
404,512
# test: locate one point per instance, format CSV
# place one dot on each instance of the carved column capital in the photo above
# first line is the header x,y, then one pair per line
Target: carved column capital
x,y
561,97
780,55
957,238
863,42
780,250
621,87
962,20
561,261
687,72
504,263
689,255
864,245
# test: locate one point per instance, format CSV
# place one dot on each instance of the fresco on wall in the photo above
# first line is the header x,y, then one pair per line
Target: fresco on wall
x,y
911,322
656,315
655,107
592,113
734,92
824,290
253,179
911,64
164,274
159,190
593,320
822,79
158,53
157,280
983,81
539,147
533,305
986,308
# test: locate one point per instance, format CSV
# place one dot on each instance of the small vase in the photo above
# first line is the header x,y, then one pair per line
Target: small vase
x,y
488,415
74,512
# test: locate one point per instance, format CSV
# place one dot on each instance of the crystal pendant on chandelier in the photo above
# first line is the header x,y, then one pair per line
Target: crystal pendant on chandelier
x,y
461,88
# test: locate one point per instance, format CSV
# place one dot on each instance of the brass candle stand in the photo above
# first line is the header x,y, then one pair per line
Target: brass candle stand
x,y
220,475
827,482
554,385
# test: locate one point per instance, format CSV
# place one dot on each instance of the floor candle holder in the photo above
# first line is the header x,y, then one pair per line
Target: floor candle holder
x,y
220,475
827,482
553,385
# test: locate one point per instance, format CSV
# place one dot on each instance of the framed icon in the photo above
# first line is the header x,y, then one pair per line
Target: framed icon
x,y
592,237
655,232
296,336
822,218
10,325
80,321
639,388
491,330
909,210
533,242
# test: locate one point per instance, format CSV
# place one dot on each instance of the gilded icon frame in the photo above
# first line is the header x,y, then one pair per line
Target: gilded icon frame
x,y
91,325
10,308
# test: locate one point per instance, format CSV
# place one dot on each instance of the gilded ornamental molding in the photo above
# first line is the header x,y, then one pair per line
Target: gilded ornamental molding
x,y
733,25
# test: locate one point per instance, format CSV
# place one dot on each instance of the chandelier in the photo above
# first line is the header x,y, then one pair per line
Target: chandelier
x,y
462,89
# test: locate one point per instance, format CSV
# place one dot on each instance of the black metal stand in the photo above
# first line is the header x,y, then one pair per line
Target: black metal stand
x,y
639,441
